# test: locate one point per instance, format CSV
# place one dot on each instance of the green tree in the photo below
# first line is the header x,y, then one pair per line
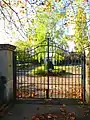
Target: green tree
x,y
44,22
80,36
21,46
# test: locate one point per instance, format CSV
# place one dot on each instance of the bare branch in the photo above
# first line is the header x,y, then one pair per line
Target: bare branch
x,y
16,15
13,23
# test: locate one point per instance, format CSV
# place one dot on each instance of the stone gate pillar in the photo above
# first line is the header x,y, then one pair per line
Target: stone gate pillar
x,y
87,92
6,70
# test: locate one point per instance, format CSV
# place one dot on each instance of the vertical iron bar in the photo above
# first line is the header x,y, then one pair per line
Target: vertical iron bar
x,y
36,84
58,86
83,76
41,78
26,73
72,77
55,72
27,69
17,74
69,77
24,97
75,84
65,77
31,77
47,92
20,80
14,75
34,72
17,70
79,74
52,95
45,73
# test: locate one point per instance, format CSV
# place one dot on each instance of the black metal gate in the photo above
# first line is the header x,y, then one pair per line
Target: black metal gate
x,y
50,71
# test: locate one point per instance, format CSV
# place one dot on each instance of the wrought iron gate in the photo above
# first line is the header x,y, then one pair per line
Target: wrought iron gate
x,y
49,70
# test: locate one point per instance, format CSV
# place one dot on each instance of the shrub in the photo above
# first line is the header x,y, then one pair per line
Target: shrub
x,y
41,70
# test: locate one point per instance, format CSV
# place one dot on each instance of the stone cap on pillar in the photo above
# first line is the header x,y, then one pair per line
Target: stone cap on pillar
x,y
7,47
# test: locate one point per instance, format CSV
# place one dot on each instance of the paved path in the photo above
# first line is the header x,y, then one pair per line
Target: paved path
x,y
59,87
26,111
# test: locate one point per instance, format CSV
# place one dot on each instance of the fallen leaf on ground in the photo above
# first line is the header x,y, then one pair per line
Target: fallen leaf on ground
x,y
37,118
9,113
72,118
62,109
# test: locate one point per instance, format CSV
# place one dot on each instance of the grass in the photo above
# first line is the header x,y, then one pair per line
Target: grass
x,y
42,70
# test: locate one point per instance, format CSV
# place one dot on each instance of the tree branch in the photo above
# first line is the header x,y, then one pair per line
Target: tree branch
x,y
16,15
13,23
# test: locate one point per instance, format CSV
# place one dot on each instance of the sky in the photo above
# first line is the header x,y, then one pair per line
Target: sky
x,y
3,38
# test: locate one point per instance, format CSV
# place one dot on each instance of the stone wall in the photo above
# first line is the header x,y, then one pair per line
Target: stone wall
x,y
6,70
